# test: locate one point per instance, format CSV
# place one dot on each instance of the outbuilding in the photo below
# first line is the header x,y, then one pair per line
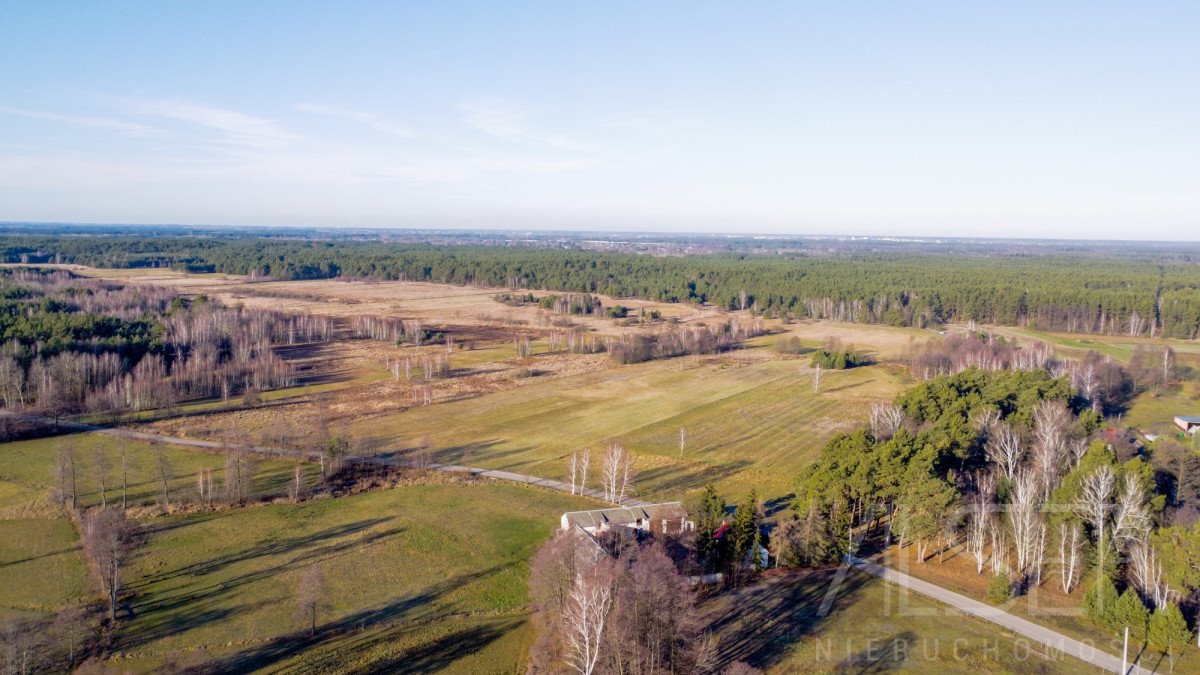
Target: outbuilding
x,y
1188,424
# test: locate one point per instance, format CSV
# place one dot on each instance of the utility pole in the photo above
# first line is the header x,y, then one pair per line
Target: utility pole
x,y
1125,653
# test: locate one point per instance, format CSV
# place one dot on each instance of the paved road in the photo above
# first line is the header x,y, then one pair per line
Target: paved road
x,y
1057,641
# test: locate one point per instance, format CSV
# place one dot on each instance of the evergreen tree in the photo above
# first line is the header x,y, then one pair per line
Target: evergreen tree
x,y
1168,631
1130,612
1100,601
709,515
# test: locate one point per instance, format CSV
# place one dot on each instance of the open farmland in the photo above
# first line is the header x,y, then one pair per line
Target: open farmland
x,y
1119,347
414,574
432,302
751,417
751,422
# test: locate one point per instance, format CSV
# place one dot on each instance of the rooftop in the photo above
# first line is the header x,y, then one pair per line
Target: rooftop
x,y
623,515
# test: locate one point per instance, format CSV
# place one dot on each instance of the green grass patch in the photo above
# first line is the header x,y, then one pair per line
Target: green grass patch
x,y
41,568
28,470
417,572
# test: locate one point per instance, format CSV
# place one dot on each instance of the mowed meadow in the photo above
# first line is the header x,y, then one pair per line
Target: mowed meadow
x,y
748,423
41,565
424,577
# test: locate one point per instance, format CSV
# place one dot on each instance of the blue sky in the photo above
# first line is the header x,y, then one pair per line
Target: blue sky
x,y
939,118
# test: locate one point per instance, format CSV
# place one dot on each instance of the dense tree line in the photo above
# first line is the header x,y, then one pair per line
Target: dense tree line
x,y
1079,293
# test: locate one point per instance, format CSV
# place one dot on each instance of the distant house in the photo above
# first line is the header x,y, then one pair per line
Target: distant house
x,y
668,518
1188,424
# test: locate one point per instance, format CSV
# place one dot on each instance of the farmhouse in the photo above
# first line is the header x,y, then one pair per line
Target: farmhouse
x,y
1188,424
667,518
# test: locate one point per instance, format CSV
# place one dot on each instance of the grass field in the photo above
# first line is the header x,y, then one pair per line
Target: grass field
x,y
41,570
423,577
751,423
776,625
1120,347
27,472
1154,412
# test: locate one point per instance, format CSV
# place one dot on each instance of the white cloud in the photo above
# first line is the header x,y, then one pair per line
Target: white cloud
x,y
78,120
377,122
509,121
238,128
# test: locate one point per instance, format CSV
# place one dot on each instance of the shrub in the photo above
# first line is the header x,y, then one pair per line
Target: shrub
x,y
838,360
1000,589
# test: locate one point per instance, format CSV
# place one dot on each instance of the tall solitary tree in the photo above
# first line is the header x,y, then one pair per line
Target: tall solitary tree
x,y
312,597
107,540
101,465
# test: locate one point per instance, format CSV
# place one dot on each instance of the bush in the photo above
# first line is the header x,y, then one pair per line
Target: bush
x,y
789,345
838,360
1000,589
618,312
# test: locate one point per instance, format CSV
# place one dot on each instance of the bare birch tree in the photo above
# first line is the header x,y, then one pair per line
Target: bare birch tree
x,y
165,474
1095,501
999,546
817,376
885,420
1146,573
1004,449
1050,422
124,477
615,473
1168,366
312,597
106,541
979,519
573,470
64,474
585,616
1024,517
1131,516
585,460
1070,540
101,466
682,440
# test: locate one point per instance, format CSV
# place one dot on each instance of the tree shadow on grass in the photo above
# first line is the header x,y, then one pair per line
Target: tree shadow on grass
x,y
274,548
398,616
761,623
185,607
778,504
886,656
682,478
